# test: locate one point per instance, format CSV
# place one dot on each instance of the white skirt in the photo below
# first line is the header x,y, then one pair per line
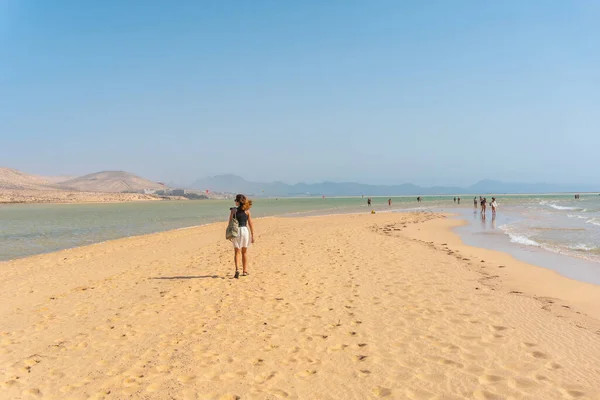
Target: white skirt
x,y
243,239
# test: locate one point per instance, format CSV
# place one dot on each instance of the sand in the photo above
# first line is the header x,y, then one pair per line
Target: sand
x,y
338,307
61,196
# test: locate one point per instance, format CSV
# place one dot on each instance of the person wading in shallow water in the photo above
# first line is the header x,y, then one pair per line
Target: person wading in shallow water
x,y
241,212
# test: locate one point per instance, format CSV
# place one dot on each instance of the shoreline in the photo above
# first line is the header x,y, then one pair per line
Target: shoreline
x,y
500,269
336,306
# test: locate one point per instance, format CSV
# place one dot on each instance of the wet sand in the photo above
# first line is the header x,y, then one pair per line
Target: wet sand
x,y
338,307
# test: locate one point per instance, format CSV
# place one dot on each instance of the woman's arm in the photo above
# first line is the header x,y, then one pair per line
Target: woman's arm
x,y
231,211
251,226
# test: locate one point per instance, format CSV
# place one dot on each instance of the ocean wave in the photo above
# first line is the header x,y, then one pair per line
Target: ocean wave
x,y
576,216
560,208
582,247
563,207
593,221
524,240
518,238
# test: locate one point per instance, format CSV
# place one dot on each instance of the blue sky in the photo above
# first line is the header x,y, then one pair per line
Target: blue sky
x,y
428,92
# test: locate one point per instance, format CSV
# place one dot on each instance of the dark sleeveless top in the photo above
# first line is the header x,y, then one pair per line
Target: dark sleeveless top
x,y
241,217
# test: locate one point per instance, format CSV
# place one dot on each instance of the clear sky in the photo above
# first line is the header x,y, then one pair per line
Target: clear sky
x,y
428,92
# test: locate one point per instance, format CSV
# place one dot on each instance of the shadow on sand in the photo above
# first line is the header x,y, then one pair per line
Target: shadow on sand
x,y
189,277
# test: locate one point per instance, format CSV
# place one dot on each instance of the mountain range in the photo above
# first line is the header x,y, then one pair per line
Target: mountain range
x,y
120,181
237,184
105,182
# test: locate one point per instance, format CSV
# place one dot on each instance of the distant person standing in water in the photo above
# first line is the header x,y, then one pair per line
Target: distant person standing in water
x,y
483,205
458,200
390,202
369,202
494,206
455,199
475,202
241,212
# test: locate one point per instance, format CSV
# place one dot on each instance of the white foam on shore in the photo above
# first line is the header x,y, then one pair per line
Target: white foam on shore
x,y
593,221
524,240
560,208
518,238
582,247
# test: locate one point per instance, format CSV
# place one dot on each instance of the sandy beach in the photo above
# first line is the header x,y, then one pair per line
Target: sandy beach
x,y
390,305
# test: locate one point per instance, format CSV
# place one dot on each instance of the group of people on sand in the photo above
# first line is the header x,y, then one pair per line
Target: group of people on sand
x,y
483,202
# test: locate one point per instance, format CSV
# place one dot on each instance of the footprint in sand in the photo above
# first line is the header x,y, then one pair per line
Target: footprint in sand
x,y
489,379
280,394
445,361
229,396
381,391
264,377
485,395
307,373
498,328
540,355
522,383
32,392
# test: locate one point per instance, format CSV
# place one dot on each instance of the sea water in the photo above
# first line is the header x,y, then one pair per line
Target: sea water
x,y
29,229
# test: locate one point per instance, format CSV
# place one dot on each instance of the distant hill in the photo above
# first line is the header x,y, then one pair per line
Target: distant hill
x,y
236,184
110,182
56,179
11,179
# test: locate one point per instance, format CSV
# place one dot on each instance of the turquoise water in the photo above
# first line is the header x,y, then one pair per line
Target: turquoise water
x,y
28,229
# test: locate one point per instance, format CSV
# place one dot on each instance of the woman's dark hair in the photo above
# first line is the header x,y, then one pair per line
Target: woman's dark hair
x,y
245,203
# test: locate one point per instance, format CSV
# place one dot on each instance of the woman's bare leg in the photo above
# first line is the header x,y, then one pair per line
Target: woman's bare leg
x,y
236,258
244,260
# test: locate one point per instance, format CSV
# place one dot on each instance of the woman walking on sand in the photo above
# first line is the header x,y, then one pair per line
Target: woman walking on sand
x,y
241,212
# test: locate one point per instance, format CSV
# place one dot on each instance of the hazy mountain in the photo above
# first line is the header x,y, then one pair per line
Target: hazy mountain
x,y
11,179
110,181
236,184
